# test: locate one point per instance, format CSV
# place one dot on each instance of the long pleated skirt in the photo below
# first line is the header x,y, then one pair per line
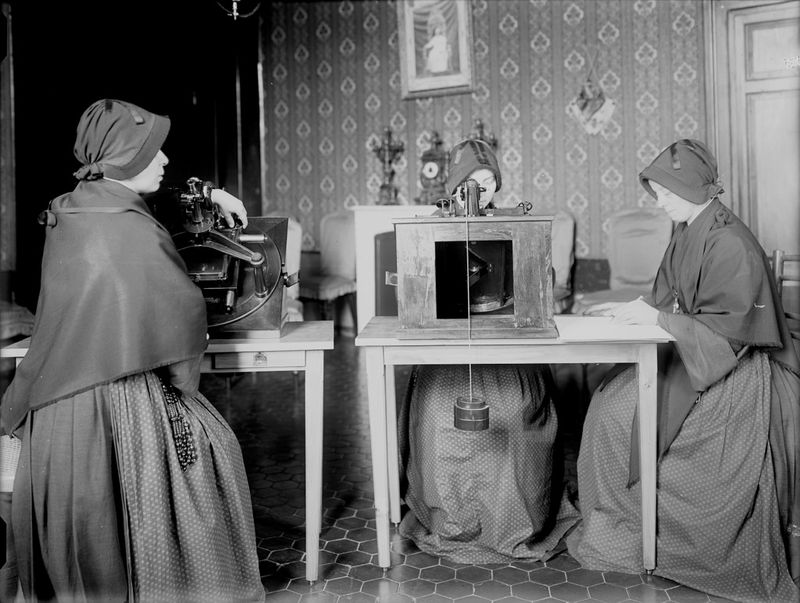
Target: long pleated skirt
x,y
104,511
483,496
719,526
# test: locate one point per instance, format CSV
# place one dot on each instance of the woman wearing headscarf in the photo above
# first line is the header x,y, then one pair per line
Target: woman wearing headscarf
x,y
482,496
728,414
130,486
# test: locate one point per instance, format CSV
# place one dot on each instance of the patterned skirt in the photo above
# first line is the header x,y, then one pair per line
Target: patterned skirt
x,y
719,529
106,509
483,496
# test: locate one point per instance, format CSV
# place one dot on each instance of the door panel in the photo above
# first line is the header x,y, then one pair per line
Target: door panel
x,y
774,176
767,44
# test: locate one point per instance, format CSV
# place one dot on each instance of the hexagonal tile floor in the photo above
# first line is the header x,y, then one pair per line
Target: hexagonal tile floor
x,y
266,412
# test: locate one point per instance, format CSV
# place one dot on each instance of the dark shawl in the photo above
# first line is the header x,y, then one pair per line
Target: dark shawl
x,y
115,300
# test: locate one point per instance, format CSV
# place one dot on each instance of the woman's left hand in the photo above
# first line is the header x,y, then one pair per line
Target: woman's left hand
x,y
637,312
229,206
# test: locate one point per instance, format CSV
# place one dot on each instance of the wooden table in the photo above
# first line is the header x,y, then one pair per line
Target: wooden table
x,y
581,340
300,348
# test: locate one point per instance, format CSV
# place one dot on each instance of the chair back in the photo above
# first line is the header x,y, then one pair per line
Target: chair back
x,y
563,239
786,269
294,243
637,240
338,244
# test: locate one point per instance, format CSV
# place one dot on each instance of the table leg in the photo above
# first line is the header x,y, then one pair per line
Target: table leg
x,y
314,411
648,450
376,391
391,443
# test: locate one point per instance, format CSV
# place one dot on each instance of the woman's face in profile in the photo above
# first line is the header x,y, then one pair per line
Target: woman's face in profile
x,y
149,179
677,208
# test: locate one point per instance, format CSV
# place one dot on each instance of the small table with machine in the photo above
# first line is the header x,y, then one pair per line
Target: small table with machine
x,y
475,287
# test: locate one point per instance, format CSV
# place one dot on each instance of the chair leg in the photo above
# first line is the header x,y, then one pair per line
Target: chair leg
x,y
586,395
351,301
326,310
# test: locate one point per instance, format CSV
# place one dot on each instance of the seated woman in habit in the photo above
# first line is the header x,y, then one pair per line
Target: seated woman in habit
x,y
482,496
728,409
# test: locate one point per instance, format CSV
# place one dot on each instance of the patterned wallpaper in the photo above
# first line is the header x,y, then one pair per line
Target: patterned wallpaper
x,y
331,79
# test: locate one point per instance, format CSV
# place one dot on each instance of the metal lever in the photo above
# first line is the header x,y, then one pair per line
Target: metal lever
x,y
219,242
289,280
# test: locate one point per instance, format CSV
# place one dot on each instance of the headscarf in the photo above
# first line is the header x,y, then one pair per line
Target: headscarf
x,y
117,139
687,168
466,157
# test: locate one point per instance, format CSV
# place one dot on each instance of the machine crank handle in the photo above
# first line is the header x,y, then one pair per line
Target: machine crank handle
x,y
252,238
290,280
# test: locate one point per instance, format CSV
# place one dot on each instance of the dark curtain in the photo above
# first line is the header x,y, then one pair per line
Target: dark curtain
x,y
8,255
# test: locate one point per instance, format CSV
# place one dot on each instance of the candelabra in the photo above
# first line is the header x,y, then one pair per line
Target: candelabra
x,y
387,152
478,133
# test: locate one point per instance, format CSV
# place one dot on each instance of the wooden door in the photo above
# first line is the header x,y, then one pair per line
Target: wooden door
x,y
754,105
766,121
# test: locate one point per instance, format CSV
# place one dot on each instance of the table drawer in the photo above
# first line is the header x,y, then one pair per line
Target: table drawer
x,y
245,360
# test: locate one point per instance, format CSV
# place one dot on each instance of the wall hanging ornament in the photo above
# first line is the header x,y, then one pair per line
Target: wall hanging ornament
x,y
591,107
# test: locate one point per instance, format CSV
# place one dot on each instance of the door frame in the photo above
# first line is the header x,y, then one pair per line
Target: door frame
x,y
719,112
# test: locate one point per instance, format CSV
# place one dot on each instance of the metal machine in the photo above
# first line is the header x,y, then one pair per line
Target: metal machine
x,y
242,274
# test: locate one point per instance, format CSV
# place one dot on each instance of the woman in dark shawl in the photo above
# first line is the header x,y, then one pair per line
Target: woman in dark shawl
x,y
130,486
728,414
482,496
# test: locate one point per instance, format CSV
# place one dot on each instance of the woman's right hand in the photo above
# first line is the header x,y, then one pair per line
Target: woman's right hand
x,y
604,309
229,206
637,312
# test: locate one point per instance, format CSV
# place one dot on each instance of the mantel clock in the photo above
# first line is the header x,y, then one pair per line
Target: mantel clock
x,y
433,173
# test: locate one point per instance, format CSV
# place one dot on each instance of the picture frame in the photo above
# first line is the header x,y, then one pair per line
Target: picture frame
x,y
435,42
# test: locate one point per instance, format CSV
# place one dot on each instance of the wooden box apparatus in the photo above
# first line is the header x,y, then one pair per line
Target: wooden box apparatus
x,y
497,286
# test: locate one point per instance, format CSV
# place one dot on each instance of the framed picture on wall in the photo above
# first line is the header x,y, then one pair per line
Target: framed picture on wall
x,y
435,47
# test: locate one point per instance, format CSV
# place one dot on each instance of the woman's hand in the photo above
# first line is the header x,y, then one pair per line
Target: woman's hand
x,y
637,312
604,309
229,206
